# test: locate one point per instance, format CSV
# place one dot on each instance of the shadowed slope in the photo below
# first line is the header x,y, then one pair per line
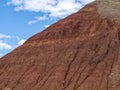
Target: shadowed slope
x,y
80,52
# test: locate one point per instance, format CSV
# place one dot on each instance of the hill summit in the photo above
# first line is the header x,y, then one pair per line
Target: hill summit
x,y
80,52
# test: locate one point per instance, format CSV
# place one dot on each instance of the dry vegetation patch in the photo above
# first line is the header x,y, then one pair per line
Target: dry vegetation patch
x,y
109,8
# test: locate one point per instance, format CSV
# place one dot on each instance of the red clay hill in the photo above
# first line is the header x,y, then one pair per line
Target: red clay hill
x,y
80,52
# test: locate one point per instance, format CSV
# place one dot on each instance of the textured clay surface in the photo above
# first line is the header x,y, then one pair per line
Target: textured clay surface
x,y
80,52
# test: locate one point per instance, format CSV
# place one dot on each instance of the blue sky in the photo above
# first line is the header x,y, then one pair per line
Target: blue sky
x,y
20,19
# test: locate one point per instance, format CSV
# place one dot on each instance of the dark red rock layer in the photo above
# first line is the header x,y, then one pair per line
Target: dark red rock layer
x,y
80,52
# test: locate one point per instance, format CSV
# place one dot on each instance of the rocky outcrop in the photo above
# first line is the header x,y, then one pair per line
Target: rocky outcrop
x,y
80,52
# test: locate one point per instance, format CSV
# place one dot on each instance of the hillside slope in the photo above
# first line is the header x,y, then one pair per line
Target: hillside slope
x,y
80,52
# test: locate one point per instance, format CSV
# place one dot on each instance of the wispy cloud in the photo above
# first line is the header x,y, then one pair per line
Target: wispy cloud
x,y
40,18
4,46
32,22
37,19
4,36
53,8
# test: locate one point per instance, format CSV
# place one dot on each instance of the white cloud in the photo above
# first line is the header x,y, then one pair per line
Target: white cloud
x,y
32,22
40,18
54,8
21,42
37,19
8,43
4,46
15,2
4,36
